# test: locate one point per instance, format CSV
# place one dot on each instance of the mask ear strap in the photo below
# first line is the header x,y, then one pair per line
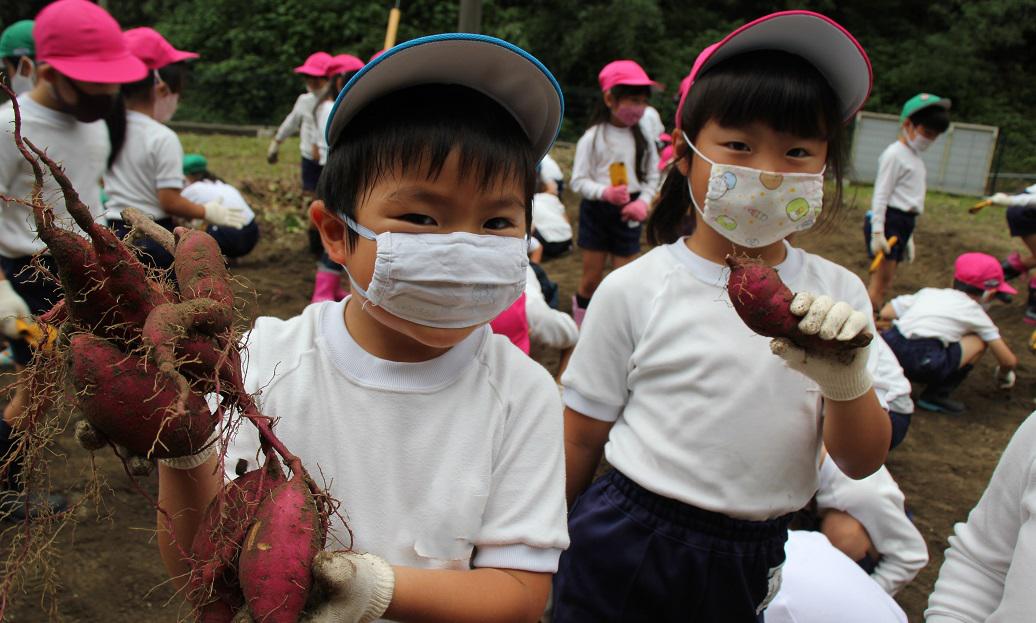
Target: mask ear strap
x,y
359,229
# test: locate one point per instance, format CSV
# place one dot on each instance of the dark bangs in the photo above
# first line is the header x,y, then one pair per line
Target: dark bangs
x,y
413,131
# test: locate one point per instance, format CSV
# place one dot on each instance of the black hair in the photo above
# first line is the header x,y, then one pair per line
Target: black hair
x,y
414,130
967,288
777,88
175,77
935,118
206,176
330,91
602,114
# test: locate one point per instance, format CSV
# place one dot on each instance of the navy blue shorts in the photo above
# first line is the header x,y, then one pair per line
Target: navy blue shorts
x,y
900,425
1021,220
601,228
39,293
235,242
924,359
897,223
638,556
311,170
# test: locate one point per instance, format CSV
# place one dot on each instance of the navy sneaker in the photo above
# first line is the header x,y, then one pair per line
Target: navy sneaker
x,y
940,403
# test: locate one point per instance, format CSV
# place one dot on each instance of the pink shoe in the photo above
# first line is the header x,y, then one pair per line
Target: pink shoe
x,y
577,312
1013,266
324,286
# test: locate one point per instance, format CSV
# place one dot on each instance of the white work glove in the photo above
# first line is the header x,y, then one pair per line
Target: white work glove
x,y
1005,378
12,307
1001,199
271,151
841,375
879,243
908,252
224,216
354,588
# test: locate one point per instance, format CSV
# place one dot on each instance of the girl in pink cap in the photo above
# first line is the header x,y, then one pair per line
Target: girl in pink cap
x,y
301,121
616,172
146,166
713,431
81,58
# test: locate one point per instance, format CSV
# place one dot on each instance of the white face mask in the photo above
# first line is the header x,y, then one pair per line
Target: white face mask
x,y
165,107
445,281
920,142
754,208
22,84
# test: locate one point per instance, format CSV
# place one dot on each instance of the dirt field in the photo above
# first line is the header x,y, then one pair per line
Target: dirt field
x,y
109,568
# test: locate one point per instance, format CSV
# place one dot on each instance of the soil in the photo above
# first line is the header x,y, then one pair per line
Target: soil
x,y
108,567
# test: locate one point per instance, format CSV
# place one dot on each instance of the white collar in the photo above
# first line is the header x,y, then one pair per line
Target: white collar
x,y
715,274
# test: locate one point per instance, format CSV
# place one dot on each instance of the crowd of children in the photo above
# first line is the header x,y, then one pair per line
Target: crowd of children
x,y
470,480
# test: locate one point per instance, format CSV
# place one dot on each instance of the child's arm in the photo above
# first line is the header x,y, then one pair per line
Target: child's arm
x,y
1005,357
1023,200
183,494
216,213
888,312
584,443
479,595
884,182
582,175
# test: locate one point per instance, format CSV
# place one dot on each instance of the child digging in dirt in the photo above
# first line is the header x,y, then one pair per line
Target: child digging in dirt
x,y
442,441
203,187
938,334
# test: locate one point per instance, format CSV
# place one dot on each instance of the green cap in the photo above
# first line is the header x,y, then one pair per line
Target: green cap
x,y
922,100
194,163
16,40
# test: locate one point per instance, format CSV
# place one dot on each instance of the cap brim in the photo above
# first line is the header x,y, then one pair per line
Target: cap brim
x,y
119,70
1006,288
180,55
816,38
504,72
310,71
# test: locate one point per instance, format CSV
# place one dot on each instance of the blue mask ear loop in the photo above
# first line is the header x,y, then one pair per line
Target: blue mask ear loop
x,y
369,235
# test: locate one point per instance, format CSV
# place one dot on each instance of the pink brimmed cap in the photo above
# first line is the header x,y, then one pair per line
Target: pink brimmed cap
x,y
625,72
315,65
152,48
82,41
817,38
342,64
981,271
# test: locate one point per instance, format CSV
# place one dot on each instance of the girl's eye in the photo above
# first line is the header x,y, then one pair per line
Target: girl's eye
x,y
418,219
798,152
738,146
498,223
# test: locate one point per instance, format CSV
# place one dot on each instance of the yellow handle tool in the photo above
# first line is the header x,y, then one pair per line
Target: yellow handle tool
x,y
38,336
617,174
880,257
392,28
975,209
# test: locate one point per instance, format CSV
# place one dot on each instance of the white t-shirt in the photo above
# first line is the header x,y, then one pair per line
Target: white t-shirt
x,y
890,379
942,313
990,567
204,191
651,124
82,150
151,159
323,113
819,584
550,170
301,120
548,216
547,327
604,144
900,183
877,502
704,413
430,459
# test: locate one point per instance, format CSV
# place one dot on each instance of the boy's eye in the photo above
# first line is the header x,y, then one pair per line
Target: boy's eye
x,y
798,152
418,219
738,146
498,223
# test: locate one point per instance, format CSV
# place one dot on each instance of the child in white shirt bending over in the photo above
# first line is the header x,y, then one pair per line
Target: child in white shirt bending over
x,y
899,189
714,432
989,571
939,333
1021,222
616,171
442,441
204,187
550,224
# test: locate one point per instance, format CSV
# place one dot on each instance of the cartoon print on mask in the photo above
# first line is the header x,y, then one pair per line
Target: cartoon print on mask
x,y
771,181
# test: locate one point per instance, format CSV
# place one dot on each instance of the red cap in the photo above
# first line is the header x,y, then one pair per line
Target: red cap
x,y
817,38
152,48
342,64
83,42
625,72
981,271
315,65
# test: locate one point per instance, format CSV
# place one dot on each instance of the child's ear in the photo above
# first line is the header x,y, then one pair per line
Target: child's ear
x,y
162,89
609,99
681,153
333,232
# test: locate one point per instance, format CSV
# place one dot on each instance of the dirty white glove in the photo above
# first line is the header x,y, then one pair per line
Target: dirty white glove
x,y
12,307
908,252
842,375
355,588
1001,199
271,151
1005,378
879,243
224,216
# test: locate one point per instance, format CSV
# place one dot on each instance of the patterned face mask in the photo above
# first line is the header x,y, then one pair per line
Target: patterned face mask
x,y
755,208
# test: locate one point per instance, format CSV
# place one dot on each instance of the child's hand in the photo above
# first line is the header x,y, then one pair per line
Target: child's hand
x,y
616,195
1005,378
635,211
271,151
879,243
1001,199
354,588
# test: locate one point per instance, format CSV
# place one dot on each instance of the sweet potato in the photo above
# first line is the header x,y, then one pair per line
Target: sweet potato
x,y
274,568
131,405
763,302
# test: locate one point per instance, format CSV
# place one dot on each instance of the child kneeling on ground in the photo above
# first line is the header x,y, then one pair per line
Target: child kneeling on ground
x,y
939,333
204,187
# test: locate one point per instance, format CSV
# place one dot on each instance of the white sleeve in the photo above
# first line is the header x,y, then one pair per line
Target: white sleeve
x,y
877,502
902,303
596,380
990,567
547,327
982,325
291,124
649,185
322,114
884,182
1023,200
582,174
11,159
890,382
167,155
524,525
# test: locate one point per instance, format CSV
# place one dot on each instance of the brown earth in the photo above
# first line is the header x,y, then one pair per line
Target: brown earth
x,y
108,567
